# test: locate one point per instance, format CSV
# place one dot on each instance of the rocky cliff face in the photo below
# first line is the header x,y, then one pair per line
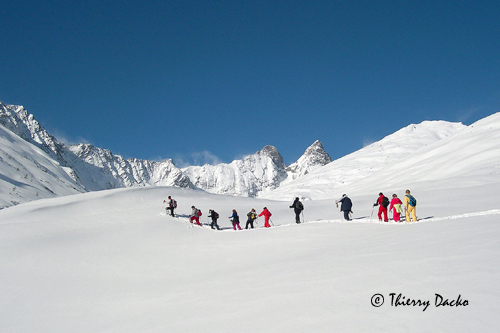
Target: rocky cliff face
x,y
18,120
263,170
313,158
99,169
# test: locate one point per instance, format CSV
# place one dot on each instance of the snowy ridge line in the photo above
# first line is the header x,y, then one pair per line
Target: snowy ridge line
x,y
359,220
423,220
459,216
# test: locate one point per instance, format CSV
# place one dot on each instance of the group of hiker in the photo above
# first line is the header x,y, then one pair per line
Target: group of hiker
x,y
252,217
395,205
235,219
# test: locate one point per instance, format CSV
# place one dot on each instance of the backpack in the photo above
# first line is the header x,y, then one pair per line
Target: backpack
x,y
174,203
300,206
385,202
398,209
199,212
413,201
216,215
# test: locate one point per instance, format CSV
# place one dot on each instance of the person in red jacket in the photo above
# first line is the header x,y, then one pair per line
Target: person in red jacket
x,y
396,204
267,214
383,202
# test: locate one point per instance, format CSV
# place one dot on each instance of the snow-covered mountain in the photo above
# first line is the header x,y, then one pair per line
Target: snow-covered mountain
x,y
100,169
83,167
263,170
329,181
17,119
88,168
313,158
93,168
421,154
114,261
29,173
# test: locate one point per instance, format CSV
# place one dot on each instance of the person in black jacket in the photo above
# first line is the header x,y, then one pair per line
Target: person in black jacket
x,y
252,216
214,215
298,207
346,206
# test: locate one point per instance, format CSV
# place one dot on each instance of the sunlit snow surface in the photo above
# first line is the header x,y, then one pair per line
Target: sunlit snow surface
x,y
114,261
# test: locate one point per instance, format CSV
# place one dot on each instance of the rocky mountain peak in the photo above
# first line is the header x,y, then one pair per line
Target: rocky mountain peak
x,y
317,153
272,152
314,157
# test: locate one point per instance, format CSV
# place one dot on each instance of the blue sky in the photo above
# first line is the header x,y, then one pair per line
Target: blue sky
x,y
205,81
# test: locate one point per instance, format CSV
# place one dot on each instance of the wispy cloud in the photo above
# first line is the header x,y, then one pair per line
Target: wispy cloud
x,y
367,142
63,138
196,158
466,114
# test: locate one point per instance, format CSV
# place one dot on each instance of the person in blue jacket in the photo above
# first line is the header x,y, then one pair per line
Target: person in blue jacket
x,y
235,219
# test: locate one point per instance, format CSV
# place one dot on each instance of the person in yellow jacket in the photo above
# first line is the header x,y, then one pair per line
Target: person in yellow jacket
x,y
410,204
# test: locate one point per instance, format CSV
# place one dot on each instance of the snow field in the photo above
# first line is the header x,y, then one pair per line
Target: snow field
x,y
112,261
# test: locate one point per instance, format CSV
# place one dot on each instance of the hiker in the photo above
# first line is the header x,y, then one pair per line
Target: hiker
x,y
252,216
195,215
396,207
214,215
267,214
410,204
383,202
172,204
235,219
298,207
346,206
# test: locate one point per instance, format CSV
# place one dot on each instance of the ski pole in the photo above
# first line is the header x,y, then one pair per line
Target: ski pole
x,y
163,207
271,222
371,216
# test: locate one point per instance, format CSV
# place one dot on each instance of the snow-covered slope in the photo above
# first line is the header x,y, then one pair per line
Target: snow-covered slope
x,y
29,173
113,261
332,179
17,119
468,157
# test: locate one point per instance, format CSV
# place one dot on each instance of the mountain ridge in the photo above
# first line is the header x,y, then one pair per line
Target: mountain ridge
x,y
262,174
92,168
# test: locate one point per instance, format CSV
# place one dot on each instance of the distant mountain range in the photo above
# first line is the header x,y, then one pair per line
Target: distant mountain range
x,y
35,165
84,167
